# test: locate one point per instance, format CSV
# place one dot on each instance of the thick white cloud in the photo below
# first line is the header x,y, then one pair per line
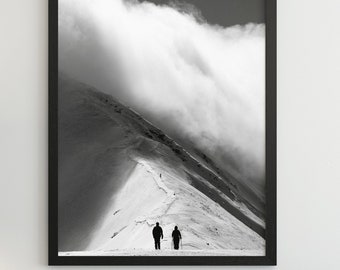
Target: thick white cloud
x,y
198,82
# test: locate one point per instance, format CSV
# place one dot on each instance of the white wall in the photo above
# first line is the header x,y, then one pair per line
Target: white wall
x,y
308,135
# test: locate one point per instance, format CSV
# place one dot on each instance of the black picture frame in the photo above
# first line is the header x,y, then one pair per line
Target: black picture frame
x,y
270,233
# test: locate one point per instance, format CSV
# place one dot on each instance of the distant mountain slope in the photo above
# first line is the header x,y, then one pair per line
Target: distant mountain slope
x,y
119,174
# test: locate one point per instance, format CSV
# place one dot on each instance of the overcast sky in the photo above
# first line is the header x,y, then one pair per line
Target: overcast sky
x,y
199,83
225,12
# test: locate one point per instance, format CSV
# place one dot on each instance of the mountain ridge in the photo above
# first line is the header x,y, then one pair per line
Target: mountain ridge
x,y
134,137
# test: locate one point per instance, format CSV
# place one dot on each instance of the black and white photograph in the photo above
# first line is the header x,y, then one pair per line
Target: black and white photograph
x,y
161,129
185,134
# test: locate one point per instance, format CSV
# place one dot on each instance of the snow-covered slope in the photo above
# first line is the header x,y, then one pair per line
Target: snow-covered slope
x,y
119,175
160,194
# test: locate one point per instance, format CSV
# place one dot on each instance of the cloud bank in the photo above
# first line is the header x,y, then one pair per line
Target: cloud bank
x,y
202,84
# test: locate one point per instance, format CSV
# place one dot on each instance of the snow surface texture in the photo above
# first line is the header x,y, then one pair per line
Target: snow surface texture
x,y
170,200
166,252
119,175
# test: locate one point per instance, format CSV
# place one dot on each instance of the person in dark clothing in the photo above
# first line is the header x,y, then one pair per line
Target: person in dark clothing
x,y
176,237
157,233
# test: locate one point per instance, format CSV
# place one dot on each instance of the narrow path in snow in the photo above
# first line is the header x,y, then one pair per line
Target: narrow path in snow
x,y
167,202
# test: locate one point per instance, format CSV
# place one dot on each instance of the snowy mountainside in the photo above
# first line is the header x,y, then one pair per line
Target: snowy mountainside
x,y
119,174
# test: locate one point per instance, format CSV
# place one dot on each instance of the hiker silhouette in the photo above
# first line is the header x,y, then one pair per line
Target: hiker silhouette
x,y
176,236
157,233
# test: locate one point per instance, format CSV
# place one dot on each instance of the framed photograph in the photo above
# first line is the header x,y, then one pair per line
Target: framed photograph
x,y
162,132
